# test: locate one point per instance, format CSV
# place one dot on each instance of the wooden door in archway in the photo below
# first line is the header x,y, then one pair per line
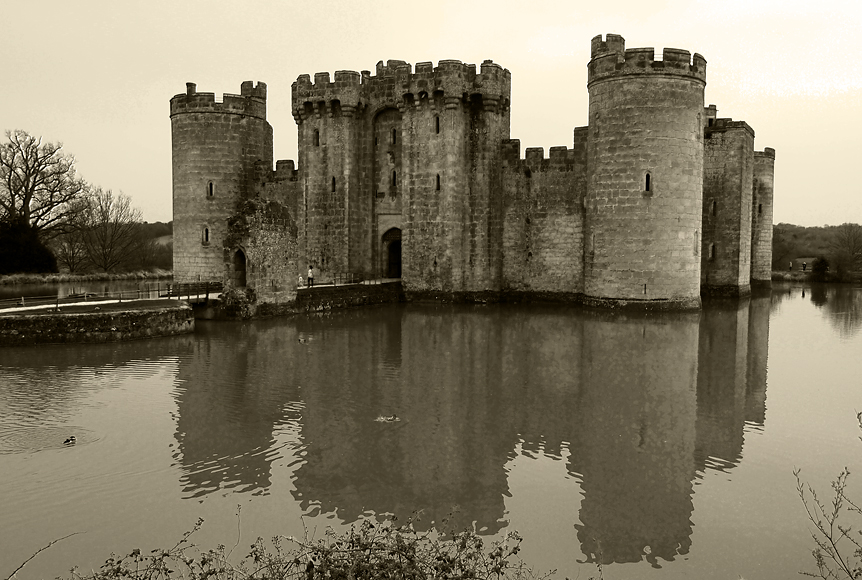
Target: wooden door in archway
x,y
392,243
239,266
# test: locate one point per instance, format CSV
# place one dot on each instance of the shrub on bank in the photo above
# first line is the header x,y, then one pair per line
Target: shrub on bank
x,y
371,550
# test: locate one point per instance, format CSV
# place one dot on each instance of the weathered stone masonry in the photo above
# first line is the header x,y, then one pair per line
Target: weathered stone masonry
x,y
411,173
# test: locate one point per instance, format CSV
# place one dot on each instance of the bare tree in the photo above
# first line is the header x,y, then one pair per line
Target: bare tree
x,y
68,245
110,235
847,248
38,183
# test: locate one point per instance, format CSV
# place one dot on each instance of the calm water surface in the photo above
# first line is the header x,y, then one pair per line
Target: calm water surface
x,y
660,445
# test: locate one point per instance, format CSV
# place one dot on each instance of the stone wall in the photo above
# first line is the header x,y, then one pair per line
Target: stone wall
x,y
543,218
103,326
726,217
330,297
265,233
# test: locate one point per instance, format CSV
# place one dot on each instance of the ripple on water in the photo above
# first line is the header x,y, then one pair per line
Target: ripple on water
x,y
30,439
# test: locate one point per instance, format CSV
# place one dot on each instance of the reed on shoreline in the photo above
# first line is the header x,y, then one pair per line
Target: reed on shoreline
x,y
11,279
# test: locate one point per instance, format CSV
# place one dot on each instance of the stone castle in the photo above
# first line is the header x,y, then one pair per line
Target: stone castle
x,y
411,173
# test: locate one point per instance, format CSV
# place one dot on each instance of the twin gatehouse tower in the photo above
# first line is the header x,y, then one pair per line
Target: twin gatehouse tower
x,y
411,173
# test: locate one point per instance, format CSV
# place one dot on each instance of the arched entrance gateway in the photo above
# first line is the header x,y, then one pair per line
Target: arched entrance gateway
x,y
392,253
239,269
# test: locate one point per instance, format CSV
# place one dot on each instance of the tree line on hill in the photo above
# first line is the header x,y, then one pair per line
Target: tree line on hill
x,y
836,250
52,218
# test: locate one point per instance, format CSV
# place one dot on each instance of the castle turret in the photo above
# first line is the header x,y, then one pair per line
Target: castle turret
x,y
645,175
455,121
215,146
727,192
333,237
761,217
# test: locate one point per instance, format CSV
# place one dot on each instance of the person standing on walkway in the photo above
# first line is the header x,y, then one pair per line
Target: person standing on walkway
x,y
310,276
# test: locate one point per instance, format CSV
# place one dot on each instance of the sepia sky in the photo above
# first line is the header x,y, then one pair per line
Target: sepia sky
x,y
98,75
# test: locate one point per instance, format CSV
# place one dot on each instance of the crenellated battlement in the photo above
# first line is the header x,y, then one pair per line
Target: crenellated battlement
x,y
560,158
610,59
285,169
723,125
396,80
251,101
768,152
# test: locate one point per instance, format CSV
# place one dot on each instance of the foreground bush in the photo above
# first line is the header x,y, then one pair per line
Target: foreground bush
x,y
838,545
372,550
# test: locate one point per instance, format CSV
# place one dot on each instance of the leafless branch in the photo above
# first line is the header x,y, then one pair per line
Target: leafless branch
x,y
37,552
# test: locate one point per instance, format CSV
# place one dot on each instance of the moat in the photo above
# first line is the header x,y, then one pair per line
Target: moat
x,y
661,444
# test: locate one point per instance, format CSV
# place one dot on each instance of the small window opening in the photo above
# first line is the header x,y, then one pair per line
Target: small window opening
x,y
437,124
696,243
647,184
438,182
210,189
712,251
759,208
394,179
316,138
376,141
333,185
394,136
710,122
206,236
712,209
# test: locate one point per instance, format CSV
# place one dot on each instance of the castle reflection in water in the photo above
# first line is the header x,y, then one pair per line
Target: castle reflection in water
x,y
637,404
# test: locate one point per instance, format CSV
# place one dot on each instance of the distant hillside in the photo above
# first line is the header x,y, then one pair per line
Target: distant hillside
x,y
156,229
840,245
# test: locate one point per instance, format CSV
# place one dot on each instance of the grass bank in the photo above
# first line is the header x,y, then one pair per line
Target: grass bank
x,y
12,279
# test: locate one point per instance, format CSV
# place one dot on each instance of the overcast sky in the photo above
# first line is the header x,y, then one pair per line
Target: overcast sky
x,y
98,75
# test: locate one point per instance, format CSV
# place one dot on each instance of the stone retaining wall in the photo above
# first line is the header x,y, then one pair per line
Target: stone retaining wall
x,y
108,326
328,297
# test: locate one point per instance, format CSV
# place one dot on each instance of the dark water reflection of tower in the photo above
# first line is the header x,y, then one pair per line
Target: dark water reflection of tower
x,y
451,441
731,382
232,393
637,436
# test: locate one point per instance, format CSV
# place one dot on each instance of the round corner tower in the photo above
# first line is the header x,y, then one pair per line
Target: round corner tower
x,y
215,146
644,176
761,217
